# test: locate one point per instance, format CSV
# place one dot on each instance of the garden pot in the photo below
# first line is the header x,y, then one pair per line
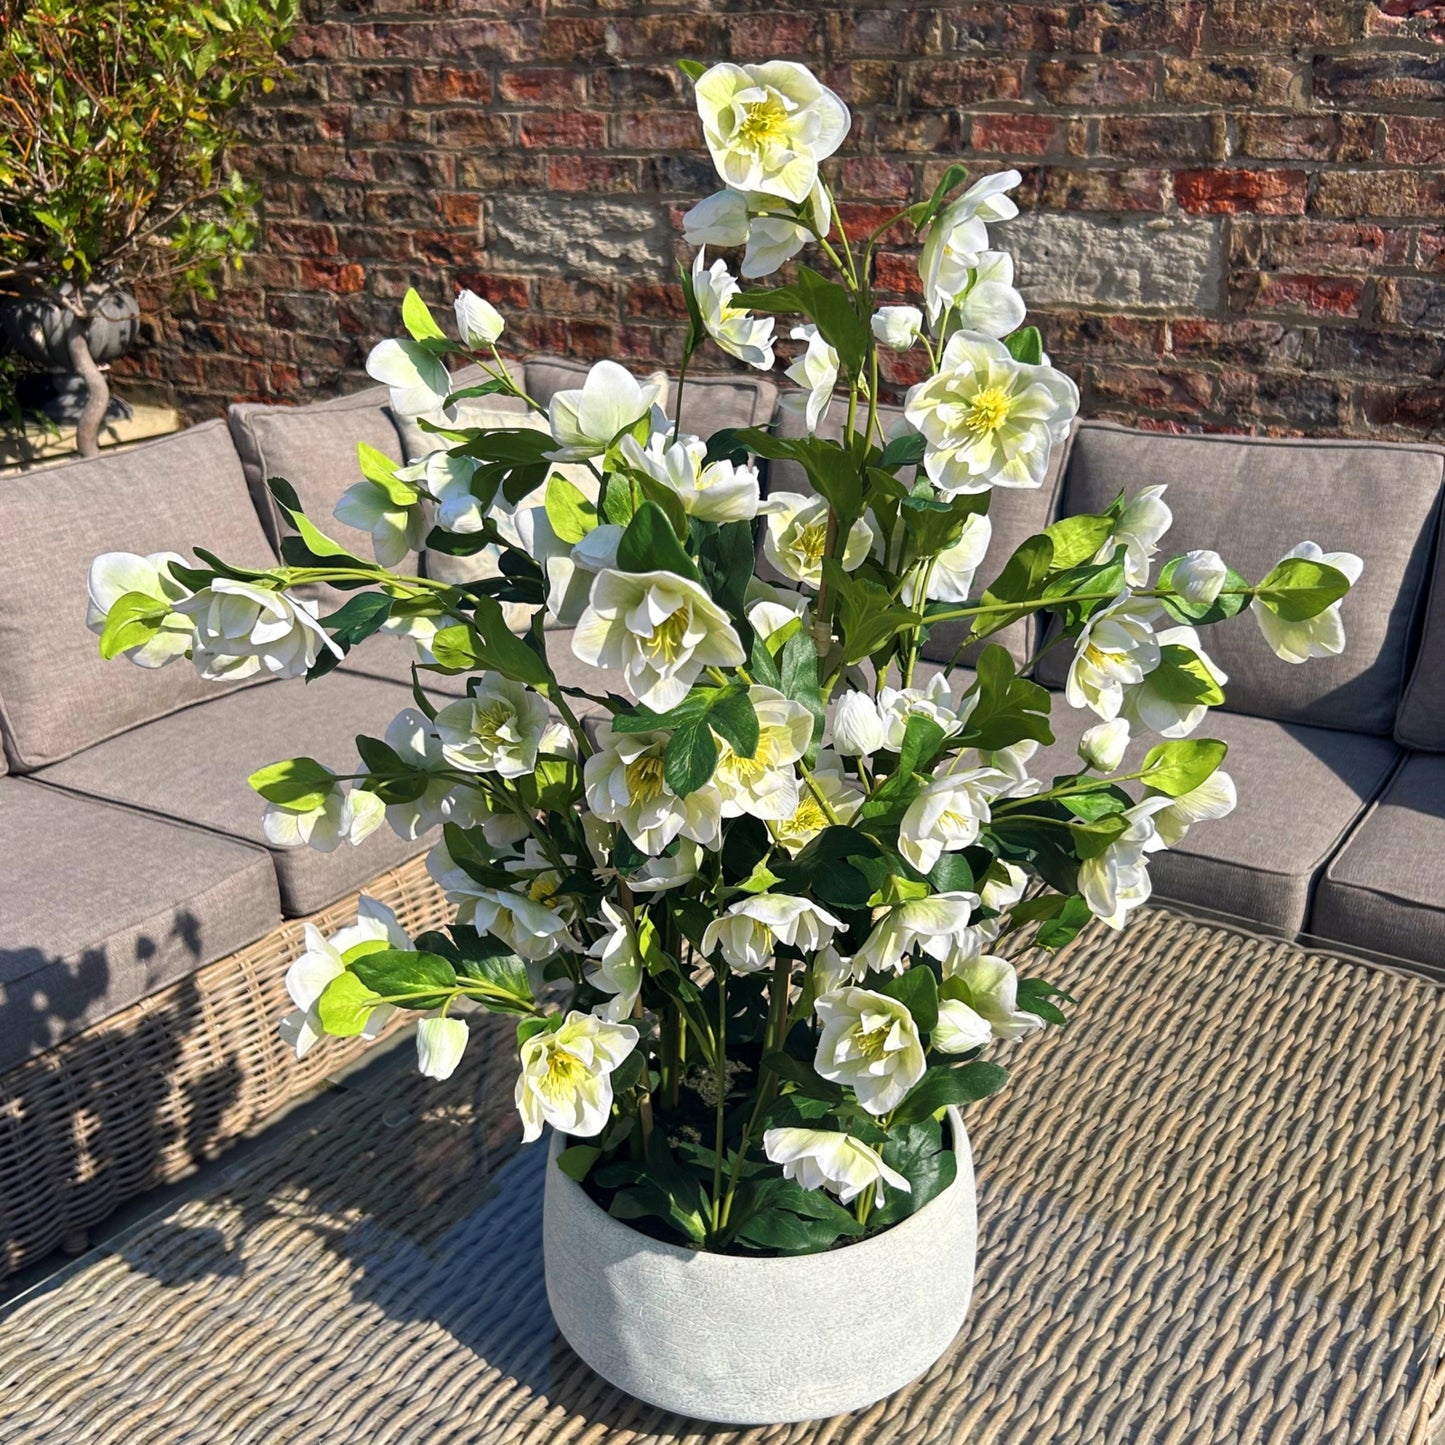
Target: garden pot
x,y
36,326
752,1341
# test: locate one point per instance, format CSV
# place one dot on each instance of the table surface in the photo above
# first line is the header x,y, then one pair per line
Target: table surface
x,y
1212,1210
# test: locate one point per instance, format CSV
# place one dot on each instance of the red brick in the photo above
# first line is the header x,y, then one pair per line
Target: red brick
x,y
1432,249
658,130
1407,19
1107,26
1414,301
863,220
1016,135
591,173
1248,25
1237,343
564,129
561,296
1156,137
873,176
302,238
1409,408
1388,75
776,36
903,368
1415,139
1300,245
499,290
896,273
1311,295
472,129
443,86
549,86
942,84
1231,191
1232,81
1342,137
654,301
1090,334
1151,388
1096,82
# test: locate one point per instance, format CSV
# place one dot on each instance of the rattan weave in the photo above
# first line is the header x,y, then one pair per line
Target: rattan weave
x,y
135,1101
1213,1213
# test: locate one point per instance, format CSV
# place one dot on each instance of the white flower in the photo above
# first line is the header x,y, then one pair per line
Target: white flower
x,y
440,1042
448,478
749,932
624,783
586,422
988,303
1103,746
419,382
1118,879
1012,762
736,330
717,220
777,235
619,964
569,568
826,1159
1003,886
959,1028
497,730
660,630
988,420
770,608
958,237
395,530
765,785
348,815
950,573
719,492
1150,705
1116,648
797,535
992,989
816,370
767,126
411,736
529,928
934,700
566,1078
897,327
1320,636
870,1044
947,815
1144,520
242,628
858,730
1215,797
113,574
479,323
659,874
808,819
932,924
324,960
1199,576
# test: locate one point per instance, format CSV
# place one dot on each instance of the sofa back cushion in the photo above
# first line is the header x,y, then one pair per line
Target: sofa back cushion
x,y
57,694
1252,499
1014,512
1421,721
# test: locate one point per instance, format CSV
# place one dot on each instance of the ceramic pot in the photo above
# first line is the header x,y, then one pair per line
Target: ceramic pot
x,y
747,1341
36,327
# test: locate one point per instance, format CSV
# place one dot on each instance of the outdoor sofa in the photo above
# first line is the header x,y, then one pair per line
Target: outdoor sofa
x,y
146,925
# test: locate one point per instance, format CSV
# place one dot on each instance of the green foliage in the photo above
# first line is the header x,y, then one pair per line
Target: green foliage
x,y
300,784
1298,589
1178,767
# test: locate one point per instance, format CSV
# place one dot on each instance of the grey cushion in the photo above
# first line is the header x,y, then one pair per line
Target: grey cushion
x,y
102,906
391,658
1301,789
1421,721
193,766
1385,889
1252,499
57,694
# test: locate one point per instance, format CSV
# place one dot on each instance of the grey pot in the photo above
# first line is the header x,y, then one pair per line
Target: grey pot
x,y
760,1341
36,327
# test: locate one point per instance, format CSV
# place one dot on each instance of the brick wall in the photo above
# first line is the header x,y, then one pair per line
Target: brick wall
x,y
1234,213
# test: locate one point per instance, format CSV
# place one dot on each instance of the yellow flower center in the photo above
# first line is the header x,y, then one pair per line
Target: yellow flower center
x,y
872,1043
493,723
668,635
743,771
764,123
988,411
564,1074
809,817
812,542
643,777
542,887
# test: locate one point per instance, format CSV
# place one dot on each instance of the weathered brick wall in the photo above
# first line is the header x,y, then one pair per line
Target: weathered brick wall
x,y
1234,213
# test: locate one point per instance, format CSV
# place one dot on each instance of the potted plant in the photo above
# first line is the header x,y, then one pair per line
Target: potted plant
x,y
778,877
114,123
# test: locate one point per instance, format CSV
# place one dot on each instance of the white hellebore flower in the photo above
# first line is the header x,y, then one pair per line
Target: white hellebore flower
x,y
497,730
777,234
411,736
992,987
797,535
826,1159
933,924
958,237
1150,705
587,421
242,628
767,126
440,1043
735,329
1320,636
947,815
897,327
988,303
770,608
718,220
1115,650
569,568
959,1028
1141,524
720,492
529,928
816,370
324,960
113,574
1103,746
419,383
659,874
618,971
625,784
808,819
749,932
950,573
348,815
1215,797
870,1044
1118,879
566,1078
659,630
988,420
1199,576
858,728
396,529
449,479
479,323
934,701
766,785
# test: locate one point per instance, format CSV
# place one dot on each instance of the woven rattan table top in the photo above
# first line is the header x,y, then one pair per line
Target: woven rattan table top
x,y
1213,1210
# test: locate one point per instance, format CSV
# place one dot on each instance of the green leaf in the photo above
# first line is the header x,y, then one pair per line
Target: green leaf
x,y
577,1160
1298,589
1182,677
345,1005
836,317
831,467
691,757
1178,767
867,615
734,719
693,69
922,738
134,618
917,990
1009,708
1092,839
486,644
572,516
803,1076
483,958
763,668
316,541
1065,926
924,211
725,557
903,451
918,1154
1078,539
390,777
379,468
416,980
798,679
950,1084
842,866
650,545
1026,345
358,618
417,318
300,784
1021,580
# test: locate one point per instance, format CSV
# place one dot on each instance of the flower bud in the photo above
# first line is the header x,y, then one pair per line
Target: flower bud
x,y
1104,744
897,327
959,1028
439,1045
858,730
479,323
1198,576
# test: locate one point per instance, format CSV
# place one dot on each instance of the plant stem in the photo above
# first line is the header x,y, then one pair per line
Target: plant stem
x,y
720,1084
97,389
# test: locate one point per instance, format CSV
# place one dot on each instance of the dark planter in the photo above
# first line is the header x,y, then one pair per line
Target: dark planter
x,y
36,327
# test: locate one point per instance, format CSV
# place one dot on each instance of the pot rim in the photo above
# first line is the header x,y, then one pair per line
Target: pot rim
x,y
914,1223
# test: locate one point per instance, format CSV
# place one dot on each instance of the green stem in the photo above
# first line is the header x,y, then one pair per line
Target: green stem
x,y
720,1085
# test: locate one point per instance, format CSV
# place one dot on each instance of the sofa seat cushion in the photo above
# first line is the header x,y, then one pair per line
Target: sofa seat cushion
x,y
1385,889
1252,499
103,905
57,694
391,658
1421,720
1301,790
193,766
